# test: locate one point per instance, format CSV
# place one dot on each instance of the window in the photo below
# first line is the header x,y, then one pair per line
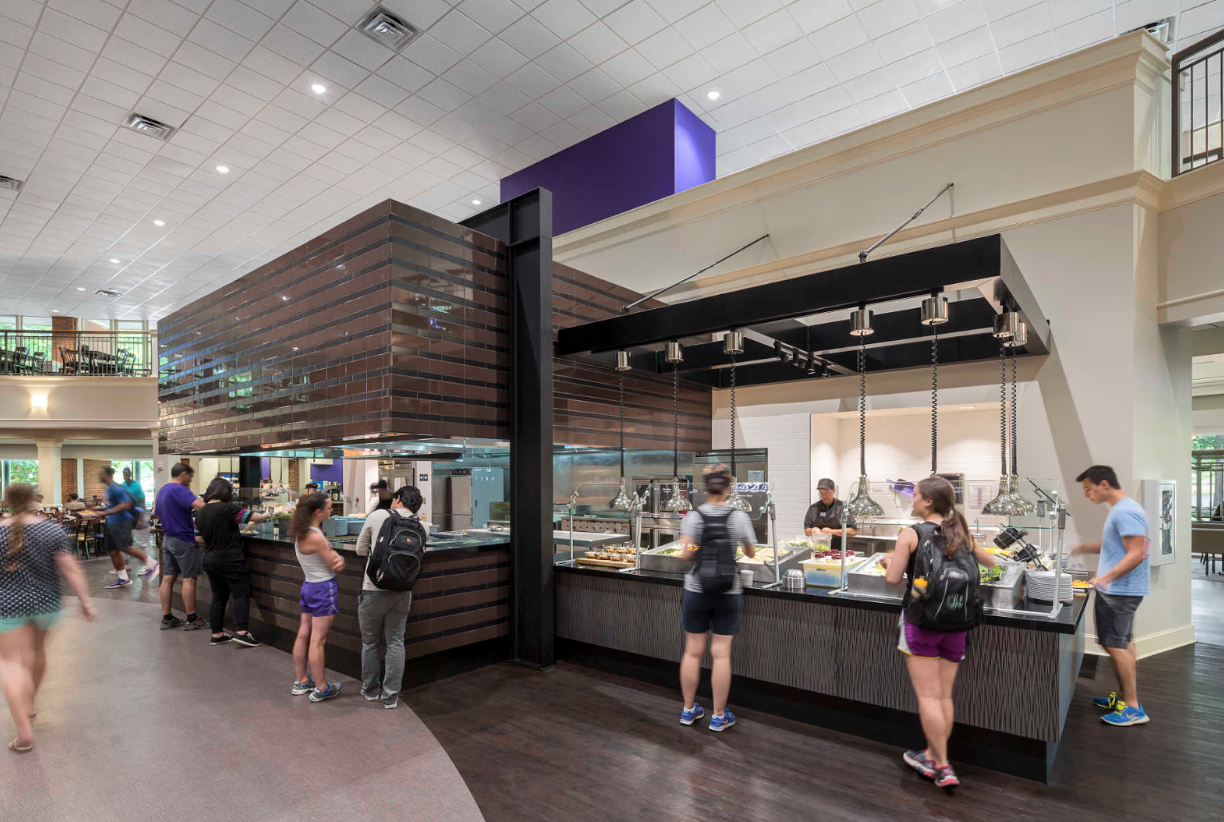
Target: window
x,y
14,471
8,322
93,325
35,323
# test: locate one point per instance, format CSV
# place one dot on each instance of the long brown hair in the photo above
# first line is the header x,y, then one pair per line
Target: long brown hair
x,y
939,492
307,507
20,500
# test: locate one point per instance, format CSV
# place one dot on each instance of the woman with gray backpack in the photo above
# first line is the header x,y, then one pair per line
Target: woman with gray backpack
x,y
394,540
940,607
713,596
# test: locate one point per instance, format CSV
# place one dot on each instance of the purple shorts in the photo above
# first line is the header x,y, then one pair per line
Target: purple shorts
x,y
926,644
321,598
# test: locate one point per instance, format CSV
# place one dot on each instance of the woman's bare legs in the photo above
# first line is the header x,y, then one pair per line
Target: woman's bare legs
x,y
17,656
690,667
934,710
39,669
720,674
318,642
301,649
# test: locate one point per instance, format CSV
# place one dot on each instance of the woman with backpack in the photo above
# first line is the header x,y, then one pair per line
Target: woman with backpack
x,y
382,613
713,596
941,606
320,599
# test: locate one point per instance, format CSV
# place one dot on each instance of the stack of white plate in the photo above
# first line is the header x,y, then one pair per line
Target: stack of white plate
x,y
1040,586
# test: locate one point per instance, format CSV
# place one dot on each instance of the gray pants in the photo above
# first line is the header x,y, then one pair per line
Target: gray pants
x,y
382,615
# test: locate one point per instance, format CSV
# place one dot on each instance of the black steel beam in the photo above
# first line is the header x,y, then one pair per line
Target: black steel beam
x,y
525,224
880,280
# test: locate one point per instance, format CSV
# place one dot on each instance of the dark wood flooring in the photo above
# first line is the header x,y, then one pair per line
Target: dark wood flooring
x,y
1207,604
574,744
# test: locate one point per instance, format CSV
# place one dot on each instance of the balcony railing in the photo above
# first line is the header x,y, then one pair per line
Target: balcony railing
x,y
78,353
1198,104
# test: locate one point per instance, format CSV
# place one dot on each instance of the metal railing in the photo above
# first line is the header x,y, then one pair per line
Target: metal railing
x,y
1198,105
78,353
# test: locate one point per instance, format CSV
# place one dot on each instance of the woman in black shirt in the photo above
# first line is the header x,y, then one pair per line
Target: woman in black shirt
x,y
220,522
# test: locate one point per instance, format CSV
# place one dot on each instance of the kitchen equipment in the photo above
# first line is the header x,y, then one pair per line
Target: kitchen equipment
x,y
746,578
763,569
825,572
1007,590
793,580
665,558
863,582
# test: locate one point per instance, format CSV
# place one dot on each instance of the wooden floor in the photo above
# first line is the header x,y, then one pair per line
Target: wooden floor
x,y
574,744
1207,603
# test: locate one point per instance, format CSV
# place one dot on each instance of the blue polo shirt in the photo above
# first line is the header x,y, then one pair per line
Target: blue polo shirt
x,y
1126,519
116,494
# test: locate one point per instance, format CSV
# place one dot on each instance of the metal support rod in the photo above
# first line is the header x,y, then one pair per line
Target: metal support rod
x,y
867,251
773,520
665,288
573,501
1062,524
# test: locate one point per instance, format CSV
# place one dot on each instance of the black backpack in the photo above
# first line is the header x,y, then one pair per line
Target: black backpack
x,y
950,602
716,568
398,553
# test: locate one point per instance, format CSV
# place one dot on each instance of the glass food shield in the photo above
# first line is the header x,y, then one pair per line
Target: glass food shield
x,y
570,545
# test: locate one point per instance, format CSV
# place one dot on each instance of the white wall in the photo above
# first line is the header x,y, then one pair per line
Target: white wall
x,y
1189,252
826,460
77,403
787,438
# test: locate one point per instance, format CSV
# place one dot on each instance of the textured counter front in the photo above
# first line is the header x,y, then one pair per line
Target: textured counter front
x,y
1015,685
461,599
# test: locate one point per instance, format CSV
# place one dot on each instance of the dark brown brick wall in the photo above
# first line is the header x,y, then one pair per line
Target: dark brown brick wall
x,y
295,474
68,477
93,486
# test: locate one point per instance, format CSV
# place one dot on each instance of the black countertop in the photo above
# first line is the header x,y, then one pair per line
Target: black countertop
x,y
468,544
1029,615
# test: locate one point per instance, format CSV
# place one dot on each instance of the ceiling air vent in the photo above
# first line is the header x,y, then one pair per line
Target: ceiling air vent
x,y
109,293
10,183
384,27
149,126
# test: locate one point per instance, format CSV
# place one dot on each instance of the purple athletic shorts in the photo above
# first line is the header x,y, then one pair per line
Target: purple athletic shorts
x,y
926,644
321,598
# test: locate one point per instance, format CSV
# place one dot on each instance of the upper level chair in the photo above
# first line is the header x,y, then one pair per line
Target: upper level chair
x,y
70,361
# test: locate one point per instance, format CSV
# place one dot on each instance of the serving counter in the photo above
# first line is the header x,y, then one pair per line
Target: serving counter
x,y
832,660
460,615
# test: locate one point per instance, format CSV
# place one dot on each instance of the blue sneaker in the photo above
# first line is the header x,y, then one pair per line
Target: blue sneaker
x,y
1109,703
688,717
330,692
299,688
119,583
721,723
1125,715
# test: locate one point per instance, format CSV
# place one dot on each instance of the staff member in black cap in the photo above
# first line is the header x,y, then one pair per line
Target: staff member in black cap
x,y
825,515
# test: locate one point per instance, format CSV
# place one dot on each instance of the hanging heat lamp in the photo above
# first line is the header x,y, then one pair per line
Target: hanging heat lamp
x,y
678,502
622,501
733,345
1018,340
1002,504
934,314
862,505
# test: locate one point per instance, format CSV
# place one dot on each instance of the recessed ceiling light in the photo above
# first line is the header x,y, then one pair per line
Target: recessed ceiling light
x,y
159,223
295,348
318,88
713,95
283,297
968,407
79,288
475,202
223,169
54,310
115,260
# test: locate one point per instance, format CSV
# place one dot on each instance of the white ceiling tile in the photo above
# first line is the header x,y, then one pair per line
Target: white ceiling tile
x,y
409,154
381,91
564,18
423,13
752,76
621,106
470,77
975,72
454,129
43,88
404,73
164,14
338,70
205,62
25,12
239,18
535,117
420,111
996,9
813,15
704,27
654,90
927,90
377,138
730,53
505,98
478,114
563,63
288,43
843,120
1021,26
270,8
362,50
72,30
689,73
432,54
61,52
968,46
838,37
177,74
673,10
497,57
887,15
591,121
885,105
431,142
773,32
635,21
272,65
563,134
532,81
486,145
52,71
529,37
1027,52
904,41
597,43
627,68
563,102
667,47
313,22
224,42
493,15
460,33
955,20
1084,31
793,58
444,95
319,135
855,63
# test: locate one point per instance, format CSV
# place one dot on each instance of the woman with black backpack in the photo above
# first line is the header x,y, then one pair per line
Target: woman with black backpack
x,y
713,596
941,606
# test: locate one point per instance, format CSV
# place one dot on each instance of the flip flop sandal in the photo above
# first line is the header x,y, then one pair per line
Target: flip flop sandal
x,y
15,748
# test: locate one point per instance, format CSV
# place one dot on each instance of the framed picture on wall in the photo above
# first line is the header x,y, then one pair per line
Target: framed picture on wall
x,y
1159,499
979,494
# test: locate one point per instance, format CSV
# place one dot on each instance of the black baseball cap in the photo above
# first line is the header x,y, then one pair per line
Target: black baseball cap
x,y
825,484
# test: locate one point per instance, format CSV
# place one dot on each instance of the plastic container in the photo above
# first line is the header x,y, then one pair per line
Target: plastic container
x,y
826,572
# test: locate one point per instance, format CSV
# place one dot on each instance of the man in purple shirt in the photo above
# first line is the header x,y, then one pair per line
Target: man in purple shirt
x,y
180,553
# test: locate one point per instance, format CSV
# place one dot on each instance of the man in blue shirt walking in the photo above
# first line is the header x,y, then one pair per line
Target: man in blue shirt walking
x,y
1123,579
120,513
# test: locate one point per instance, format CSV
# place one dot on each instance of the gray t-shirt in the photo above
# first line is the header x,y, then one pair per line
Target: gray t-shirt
x,y
739,528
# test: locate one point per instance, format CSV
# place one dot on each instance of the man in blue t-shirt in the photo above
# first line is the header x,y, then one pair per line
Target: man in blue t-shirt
x,y
120,513
1123,579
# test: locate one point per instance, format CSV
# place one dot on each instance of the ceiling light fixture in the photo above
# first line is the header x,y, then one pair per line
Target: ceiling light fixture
x,y
54,310
223,169
79,288
115,260
284,298
159,223
968,407
319,88
475,202
713,95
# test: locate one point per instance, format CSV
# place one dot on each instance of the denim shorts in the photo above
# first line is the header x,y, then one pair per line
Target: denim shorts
x,y
321,598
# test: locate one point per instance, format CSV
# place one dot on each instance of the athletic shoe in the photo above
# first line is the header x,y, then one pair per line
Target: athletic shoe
x,y
1125,715
147,572
171,623
119,583
306,687
945,778
688,717
921,762
219,640
197,625
247,640
721,723
331,692
391,703
369,697
1109,703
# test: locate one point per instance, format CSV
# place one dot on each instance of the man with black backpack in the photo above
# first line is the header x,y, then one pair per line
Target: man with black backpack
x,y
713,597
394,540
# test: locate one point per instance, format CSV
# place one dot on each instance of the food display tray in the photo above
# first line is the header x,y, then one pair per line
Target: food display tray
x,y
1007,591
656,560
763,572
860,583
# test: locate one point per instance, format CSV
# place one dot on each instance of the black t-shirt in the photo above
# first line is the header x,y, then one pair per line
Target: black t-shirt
x,y
820,516
220,524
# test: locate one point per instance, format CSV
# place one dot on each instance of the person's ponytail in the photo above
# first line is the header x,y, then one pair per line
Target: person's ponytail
x,y
19,498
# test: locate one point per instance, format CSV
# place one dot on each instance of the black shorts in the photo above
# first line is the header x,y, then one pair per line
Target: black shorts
x,y
119,536
1115,617
720,613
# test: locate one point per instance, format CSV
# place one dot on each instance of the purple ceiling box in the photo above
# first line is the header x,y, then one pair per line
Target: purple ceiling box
x,y
653,155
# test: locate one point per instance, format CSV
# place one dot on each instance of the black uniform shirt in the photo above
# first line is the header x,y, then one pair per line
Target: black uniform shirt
x,y
820,516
